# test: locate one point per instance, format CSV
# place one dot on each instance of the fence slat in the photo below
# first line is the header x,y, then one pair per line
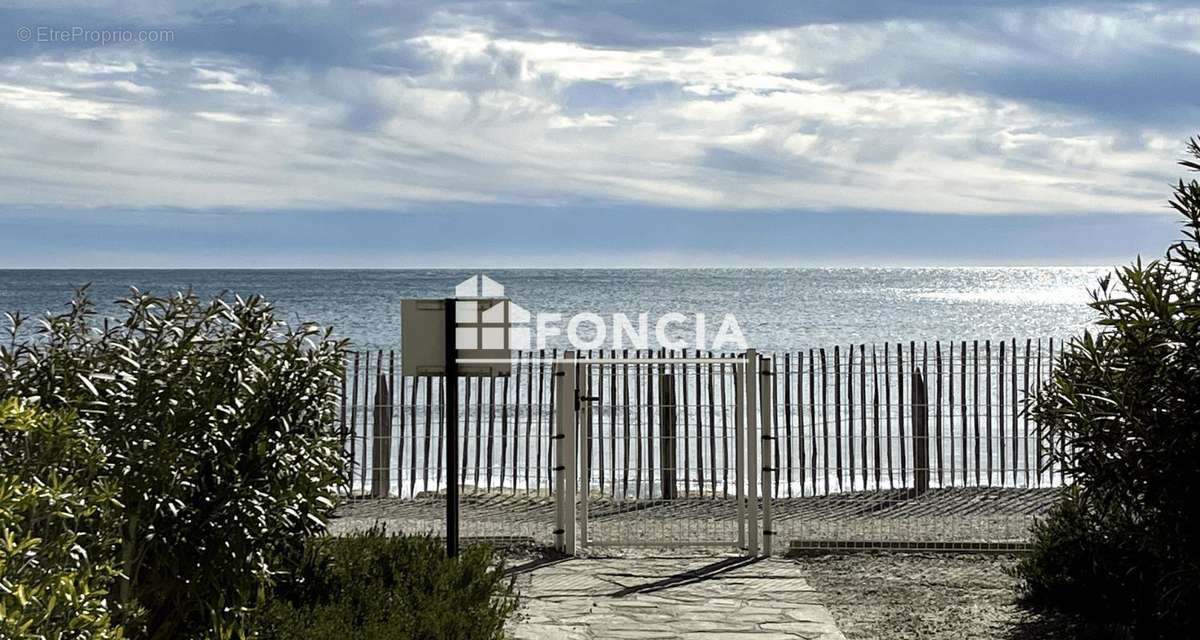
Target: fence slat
x,y
1025,410
950,411
366,409
597,437
978,466
516,432
441,439
683,380
612,423
637,425
812,416
825,421
887,414
504,427
699,427
428,432
787,416
862,401
712,431
412,408
478,428
625,420
465,431
1016,443
1000,405
344,430
875,417
900,414
987,401
651,378
491,431
548,441
724,433
353,423
925,399
391,377
937,413
528,421
962,388
1062,441
850,412
837,411
539,433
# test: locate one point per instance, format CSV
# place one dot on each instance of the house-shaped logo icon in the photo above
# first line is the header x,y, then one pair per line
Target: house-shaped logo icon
x,y
484,319
479,286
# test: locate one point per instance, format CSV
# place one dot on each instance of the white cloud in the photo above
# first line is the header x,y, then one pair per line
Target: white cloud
x,y
227,80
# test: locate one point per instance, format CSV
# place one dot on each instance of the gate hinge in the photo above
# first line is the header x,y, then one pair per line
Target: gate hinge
x,y
559,532
560,468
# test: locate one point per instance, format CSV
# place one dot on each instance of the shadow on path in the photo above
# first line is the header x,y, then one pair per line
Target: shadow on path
x,y
535,564
691,576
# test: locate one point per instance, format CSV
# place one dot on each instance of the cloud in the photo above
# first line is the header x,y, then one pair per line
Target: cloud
x,y
982,108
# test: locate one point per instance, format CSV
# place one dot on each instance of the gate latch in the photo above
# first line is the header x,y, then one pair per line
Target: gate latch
x,y
581,398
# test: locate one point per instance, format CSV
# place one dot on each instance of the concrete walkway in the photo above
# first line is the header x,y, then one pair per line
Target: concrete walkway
x,y
669,597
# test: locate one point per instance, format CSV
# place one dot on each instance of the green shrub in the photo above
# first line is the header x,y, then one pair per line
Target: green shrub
x,y
1125,543
372,586
58,534
1080,566
219,425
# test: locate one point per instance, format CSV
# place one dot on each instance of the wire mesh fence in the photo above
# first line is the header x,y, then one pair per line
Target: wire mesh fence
x,y
922,444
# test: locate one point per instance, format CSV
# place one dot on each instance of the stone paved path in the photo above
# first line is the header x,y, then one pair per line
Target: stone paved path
x,y
681,597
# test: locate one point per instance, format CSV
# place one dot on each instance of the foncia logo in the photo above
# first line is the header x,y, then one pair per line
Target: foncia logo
x,y
486,320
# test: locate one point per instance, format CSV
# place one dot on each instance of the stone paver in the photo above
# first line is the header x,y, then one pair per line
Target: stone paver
x,y
681,597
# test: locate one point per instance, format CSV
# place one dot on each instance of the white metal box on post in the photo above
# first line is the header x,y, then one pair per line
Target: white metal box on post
x,y
484,336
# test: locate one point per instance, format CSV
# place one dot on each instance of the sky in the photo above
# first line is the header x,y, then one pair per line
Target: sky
x,y
299,133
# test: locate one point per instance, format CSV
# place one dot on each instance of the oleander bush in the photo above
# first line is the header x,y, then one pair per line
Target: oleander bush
x,y
1123,545
372,586
218,427
58,528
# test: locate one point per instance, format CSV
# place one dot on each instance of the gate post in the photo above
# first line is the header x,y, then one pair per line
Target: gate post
x,y
381,437
739,448
920,398
667,416
583,445
752,476
767,412
565,452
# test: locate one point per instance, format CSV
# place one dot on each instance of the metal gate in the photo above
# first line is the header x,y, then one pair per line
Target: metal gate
x,y
663,451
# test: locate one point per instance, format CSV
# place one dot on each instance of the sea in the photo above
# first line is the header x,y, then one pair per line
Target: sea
x,y
775,309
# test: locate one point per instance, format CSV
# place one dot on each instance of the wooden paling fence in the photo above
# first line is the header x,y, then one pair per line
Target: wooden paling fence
x,y
843,419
